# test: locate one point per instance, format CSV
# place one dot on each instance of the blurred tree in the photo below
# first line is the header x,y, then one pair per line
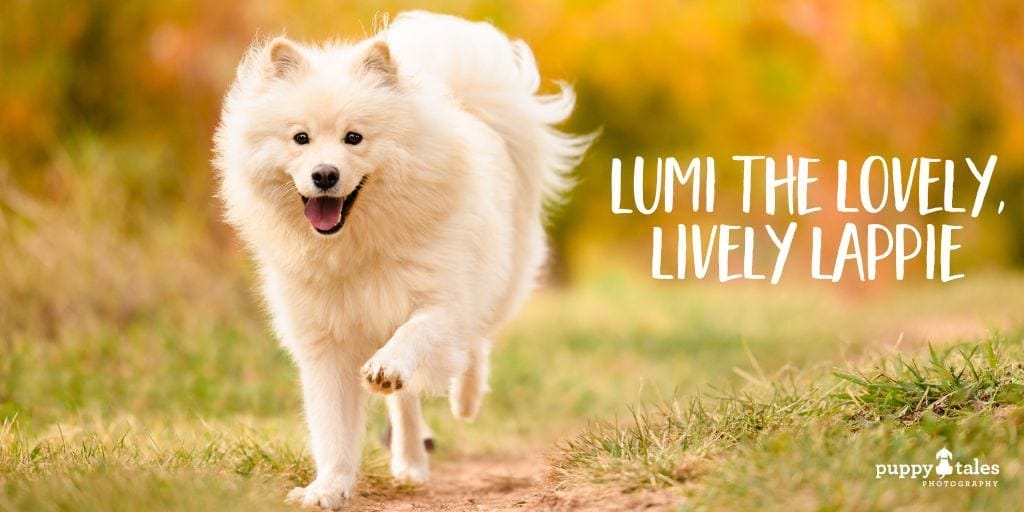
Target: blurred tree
x,y
137,84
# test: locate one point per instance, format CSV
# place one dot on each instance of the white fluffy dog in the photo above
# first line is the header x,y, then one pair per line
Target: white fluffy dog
x,y
392,194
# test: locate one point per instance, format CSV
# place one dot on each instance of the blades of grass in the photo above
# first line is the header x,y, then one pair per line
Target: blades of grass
x,y
969,363
990,355
851,378
753,361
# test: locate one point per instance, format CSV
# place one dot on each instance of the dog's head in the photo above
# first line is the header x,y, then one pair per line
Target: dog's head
x,y
308,131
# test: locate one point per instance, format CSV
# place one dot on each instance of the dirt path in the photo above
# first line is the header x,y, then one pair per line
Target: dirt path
x,y
519,484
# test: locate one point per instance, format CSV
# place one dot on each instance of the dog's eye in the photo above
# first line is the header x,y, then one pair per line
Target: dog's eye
x,y
353,138
301,138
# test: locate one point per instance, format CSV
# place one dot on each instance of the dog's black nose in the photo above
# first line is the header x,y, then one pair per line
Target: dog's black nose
x,y
325,176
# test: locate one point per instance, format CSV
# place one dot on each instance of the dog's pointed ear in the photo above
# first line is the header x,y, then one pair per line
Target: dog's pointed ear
x,y
377,60
284,58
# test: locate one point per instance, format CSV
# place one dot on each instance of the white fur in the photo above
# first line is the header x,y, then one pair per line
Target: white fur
x,y
444,241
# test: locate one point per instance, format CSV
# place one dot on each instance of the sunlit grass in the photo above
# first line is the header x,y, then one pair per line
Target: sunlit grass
x,y
948,383
966,397
138,371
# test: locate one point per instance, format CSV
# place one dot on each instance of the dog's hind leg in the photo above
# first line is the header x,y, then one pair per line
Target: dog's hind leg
x,y
408,438
468,389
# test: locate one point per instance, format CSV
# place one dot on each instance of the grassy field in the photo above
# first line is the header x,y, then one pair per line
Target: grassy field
x,y
137,370
169,392
807,440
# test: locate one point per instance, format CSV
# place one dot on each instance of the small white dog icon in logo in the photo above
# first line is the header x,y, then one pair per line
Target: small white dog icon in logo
x,y
944,468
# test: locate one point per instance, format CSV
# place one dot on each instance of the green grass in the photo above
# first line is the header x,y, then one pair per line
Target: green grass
x,y
125,464
809,439
954,382
128,466
137,371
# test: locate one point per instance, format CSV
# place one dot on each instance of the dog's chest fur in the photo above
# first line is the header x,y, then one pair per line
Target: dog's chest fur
x,y
359,311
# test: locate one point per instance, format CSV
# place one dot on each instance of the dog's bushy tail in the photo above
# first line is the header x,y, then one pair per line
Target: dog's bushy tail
x,y
496,79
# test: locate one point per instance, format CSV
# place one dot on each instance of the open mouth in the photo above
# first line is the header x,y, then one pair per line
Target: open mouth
x,y
327,214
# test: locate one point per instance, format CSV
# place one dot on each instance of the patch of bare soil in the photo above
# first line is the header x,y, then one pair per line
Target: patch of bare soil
x,y
517,484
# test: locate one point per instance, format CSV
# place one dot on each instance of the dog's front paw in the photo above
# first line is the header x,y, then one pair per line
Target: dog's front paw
x,y
383,376
327,493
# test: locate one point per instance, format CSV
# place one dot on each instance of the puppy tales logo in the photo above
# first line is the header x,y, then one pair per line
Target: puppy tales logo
x,y
934,475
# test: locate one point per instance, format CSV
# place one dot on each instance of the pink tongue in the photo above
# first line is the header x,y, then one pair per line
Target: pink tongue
x,y
323,212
